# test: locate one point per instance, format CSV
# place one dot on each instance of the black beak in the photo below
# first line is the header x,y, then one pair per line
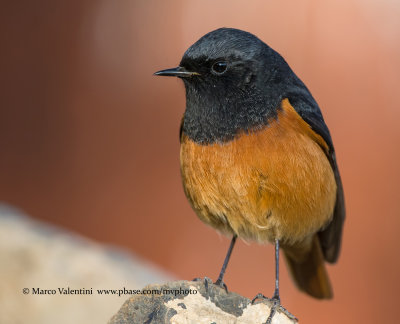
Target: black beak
x,y
179,71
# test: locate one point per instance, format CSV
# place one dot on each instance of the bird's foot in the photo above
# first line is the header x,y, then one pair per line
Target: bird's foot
x,y
221,284
207,282
276,305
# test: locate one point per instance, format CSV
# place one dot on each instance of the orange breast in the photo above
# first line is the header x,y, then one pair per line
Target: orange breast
x,y
271,183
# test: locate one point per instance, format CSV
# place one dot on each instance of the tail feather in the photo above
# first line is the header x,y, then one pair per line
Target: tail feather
x,y
307,266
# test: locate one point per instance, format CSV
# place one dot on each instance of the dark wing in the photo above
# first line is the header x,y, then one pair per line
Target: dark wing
x,y
331,236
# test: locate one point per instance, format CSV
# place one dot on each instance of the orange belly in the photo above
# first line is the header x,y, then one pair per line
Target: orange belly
x,y
272,183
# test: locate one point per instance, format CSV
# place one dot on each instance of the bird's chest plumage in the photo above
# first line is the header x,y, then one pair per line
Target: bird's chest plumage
x,y
275,182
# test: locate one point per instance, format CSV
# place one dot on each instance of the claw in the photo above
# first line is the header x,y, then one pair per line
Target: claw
x,y
221,284
276,305
258,296
206,280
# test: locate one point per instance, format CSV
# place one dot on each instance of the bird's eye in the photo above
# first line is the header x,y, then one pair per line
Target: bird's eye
x,y
219,67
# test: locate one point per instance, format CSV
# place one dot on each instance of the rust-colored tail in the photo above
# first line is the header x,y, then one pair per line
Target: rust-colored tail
x,y
307,266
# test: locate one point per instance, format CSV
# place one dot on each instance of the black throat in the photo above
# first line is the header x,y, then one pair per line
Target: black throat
x,y
218,116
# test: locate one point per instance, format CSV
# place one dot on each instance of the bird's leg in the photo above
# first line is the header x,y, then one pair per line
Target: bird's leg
x,y
276,293
276,300
220,281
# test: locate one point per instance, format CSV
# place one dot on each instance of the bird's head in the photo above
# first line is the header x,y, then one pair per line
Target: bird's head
x,y
233,83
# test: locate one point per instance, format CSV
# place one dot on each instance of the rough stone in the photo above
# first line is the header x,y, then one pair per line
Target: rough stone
x,y
184,302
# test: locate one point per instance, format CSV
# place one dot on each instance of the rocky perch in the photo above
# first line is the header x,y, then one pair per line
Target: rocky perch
x,y
197,302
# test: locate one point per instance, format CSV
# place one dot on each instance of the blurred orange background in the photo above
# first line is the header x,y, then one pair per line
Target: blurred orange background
x,y
89,138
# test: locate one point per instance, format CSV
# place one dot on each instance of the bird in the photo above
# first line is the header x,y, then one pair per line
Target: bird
x,y
256,156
